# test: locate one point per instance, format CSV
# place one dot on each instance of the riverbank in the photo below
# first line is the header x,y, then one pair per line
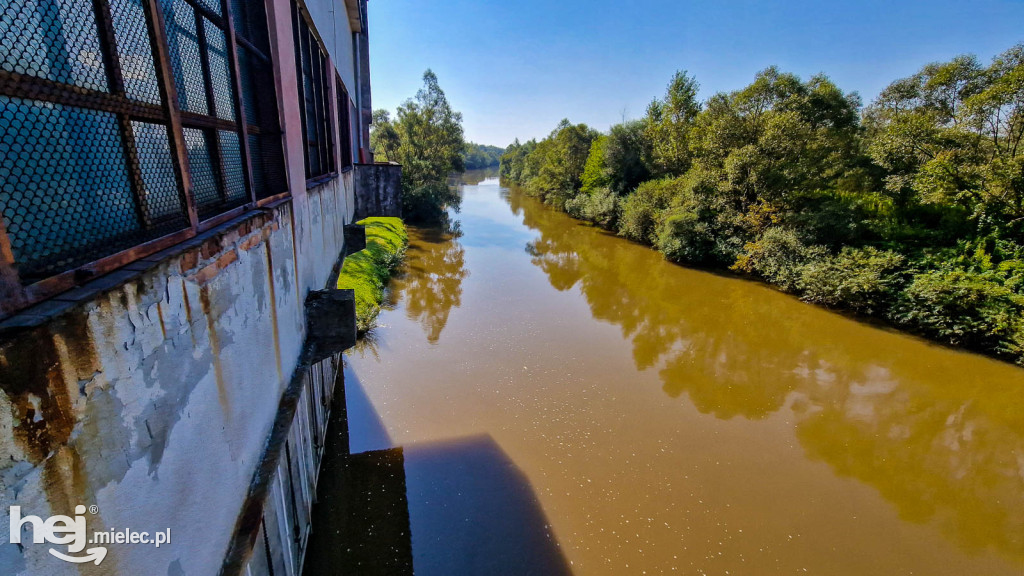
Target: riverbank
x,y
898,210
367,271
977,306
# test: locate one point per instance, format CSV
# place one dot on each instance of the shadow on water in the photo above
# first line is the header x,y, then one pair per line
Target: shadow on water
x,y
452,507
473,511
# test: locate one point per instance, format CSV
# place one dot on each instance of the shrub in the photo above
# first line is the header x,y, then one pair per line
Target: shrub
x,y
1015,347
1012,272
367,271
964,308
427,203
641,210
778,256
684,237
599,207
558,198
861,279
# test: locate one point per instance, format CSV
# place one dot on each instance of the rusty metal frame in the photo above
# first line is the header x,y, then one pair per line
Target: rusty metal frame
x,y
16,296
307,38
231,45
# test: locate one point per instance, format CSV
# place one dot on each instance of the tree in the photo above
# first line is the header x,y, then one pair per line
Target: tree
x,y
667,125
595,170
476,156
430,145
562,156
384,139
627,155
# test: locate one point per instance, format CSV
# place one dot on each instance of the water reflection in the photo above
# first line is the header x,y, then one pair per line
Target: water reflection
x,y
939,434
431,284
474,177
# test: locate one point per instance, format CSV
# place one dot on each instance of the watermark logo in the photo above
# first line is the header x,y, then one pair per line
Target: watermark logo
x,y
71,532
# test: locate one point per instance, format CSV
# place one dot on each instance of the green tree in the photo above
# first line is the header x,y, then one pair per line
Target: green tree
x,y
477,156
595,170
627,154
668,123
430,148
561,158
384,139
950,137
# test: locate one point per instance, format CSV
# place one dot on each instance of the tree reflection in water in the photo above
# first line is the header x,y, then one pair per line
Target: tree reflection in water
x,y
431,284
938,433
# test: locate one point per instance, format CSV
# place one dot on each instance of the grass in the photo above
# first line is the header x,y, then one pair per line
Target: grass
x,y
367,271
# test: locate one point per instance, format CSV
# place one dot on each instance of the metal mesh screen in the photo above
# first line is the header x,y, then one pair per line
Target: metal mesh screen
x,y
267,154
344,124
251,23
52,39
253,74
211,5
134,51
234,169
260,103
66,189
220,74
313,98
160,182
186,61
205,176
89,166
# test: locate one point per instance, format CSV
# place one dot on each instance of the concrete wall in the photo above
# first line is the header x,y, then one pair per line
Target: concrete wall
x,y
378,190
153,400
155,393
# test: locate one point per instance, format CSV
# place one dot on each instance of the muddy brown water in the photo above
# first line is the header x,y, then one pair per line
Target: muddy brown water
x,y
546,398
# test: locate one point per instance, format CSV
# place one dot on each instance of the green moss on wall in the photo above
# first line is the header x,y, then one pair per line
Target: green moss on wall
x,y
367,271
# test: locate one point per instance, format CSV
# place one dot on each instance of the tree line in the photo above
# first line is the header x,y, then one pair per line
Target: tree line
x,y
910,209
477,156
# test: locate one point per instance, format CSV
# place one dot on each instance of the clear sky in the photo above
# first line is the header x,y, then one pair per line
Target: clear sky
x,y
515,68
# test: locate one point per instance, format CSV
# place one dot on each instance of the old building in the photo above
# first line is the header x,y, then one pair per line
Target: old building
x,y
176,179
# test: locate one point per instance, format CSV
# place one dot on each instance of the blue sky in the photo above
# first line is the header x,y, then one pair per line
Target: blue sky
x,y
514,69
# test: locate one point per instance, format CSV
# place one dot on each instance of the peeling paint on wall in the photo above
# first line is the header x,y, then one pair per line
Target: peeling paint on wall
x,y
153,400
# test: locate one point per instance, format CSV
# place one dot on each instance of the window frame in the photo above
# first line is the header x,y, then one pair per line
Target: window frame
x,y
313,84
17,293
346,131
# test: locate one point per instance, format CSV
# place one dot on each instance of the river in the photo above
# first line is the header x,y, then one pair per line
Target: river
x,y
542,397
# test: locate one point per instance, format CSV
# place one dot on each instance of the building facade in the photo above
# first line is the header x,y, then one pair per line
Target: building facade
x,y
177,178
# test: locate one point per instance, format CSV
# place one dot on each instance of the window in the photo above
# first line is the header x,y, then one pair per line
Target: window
x,y
259,100
314,102
118,138
345,131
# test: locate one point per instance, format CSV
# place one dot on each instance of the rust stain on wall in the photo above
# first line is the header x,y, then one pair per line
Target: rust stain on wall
x,y
218,370
188,305
160,316
42,372
31,376
273,311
